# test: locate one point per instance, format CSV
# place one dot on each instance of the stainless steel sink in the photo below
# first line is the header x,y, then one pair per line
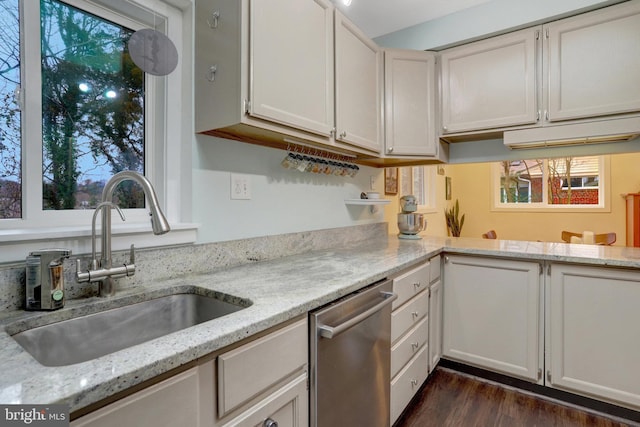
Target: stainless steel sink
x,y
87,337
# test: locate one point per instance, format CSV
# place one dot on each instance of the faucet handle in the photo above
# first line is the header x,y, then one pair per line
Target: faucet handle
x,y
81,276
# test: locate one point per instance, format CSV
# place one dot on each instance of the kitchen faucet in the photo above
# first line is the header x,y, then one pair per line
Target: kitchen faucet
x,y
104,272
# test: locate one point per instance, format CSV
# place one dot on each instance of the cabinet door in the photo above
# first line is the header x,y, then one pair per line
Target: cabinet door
x,y
492,314
287,407
435,324
291,60
490,83
594,63
409,87
358,86
594,341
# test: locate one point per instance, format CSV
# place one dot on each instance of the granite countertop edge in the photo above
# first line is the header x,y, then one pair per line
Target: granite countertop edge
x,y
279,290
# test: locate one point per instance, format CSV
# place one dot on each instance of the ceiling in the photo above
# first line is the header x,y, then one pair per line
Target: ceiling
x,y
379,17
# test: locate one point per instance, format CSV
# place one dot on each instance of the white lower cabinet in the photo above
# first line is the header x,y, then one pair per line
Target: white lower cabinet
x,y
492,314
593,339
262,381
435,318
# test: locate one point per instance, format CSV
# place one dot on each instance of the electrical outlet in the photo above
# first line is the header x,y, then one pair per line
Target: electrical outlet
x,y
240,187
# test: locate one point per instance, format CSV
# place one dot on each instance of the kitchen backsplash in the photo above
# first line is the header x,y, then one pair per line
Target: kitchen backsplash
x,y
166,263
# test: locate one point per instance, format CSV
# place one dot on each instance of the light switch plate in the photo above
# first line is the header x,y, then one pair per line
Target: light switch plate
x,y
240,187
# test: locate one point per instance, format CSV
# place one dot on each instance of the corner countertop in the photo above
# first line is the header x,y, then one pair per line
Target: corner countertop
x,y
279,290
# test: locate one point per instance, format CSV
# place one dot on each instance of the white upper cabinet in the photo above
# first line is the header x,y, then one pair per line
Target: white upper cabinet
x,y
490,83
291,60
594,63
358,86
410,107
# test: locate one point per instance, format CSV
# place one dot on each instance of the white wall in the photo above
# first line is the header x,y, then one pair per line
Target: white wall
x,y
494,17
283,201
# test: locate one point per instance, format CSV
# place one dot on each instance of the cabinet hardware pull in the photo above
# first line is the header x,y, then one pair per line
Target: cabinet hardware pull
x,y
415,314
212,21
270,423
343,135
415,346
211,75
390,149
414,382
329,332
417,285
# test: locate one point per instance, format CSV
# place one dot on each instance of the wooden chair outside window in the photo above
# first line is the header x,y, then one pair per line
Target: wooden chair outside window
x,y
599,239
491,234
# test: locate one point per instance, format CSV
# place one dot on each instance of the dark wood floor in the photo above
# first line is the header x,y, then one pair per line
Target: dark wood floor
x,y
460,400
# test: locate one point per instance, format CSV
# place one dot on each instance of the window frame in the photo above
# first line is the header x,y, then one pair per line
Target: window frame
x,y
604,193
164,121
428,186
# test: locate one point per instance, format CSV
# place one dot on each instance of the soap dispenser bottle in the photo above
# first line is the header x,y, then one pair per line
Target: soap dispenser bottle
x,y
45,279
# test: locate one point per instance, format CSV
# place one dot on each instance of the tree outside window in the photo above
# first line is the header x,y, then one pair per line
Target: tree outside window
x,y
92,109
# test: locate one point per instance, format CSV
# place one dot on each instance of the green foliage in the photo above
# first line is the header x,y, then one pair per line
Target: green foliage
x,y
454,222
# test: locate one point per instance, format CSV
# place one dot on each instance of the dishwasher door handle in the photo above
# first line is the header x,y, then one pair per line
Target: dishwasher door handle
x,y
331,331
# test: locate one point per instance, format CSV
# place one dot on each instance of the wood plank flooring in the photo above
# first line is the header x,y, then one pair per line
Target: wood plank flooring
x,y
459,400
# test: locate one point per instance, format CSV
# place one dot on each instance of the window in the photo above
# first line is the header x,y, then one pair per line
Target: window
x,y
76,110
419,181
568,182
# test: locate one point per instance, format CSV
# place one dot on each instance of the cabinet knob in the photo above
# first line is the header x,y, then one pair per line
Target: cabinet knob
x,y
415,346
343,135
415,313
270,423
444,128
417,285
390,150
414,382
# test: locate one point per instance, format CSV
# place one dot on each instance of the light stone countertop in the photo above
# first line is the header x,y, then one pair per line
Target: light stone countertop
x,y
279,290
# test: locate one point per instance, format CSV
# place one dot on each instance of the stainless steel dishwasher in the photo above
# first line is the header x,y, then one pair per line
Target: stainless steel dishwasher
x,y
350,355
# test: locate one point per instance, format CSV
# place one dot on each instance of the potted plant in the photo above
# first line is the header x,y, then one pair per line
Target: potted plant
x,y
454,223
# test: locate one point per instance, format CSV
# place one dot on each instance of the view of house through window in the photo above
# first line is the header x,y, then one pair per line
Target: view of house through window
x,y
550,182
92,110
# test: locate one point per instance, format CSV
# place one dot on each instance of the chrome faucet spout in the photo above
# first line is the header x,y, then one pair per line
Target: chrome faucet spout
x,y
159,222
105,272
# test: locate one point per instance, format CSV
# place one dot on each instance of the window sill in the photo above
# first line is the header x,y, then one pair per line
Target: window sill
x,y
16,244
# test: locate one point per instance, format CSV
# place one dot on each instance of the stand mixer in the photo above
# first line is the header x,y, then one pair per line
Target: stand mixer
x,y
410,223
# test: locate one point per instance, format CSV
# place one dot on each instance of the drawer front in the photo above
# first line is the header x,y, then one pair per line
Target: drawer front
x,y
172,402
410,283
246,371
408,315
434,269
405,385
409,345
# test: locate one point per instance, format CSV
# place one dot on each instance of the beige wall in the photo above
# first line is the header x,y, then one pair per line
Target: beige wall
x,y
471,185
436,225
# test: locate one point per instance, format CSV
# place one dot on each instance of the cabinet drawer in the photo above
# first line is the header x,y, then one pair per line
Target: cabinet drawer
x,y
172,402
408,346
409,314
405,385
410,283
243,372
434,269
